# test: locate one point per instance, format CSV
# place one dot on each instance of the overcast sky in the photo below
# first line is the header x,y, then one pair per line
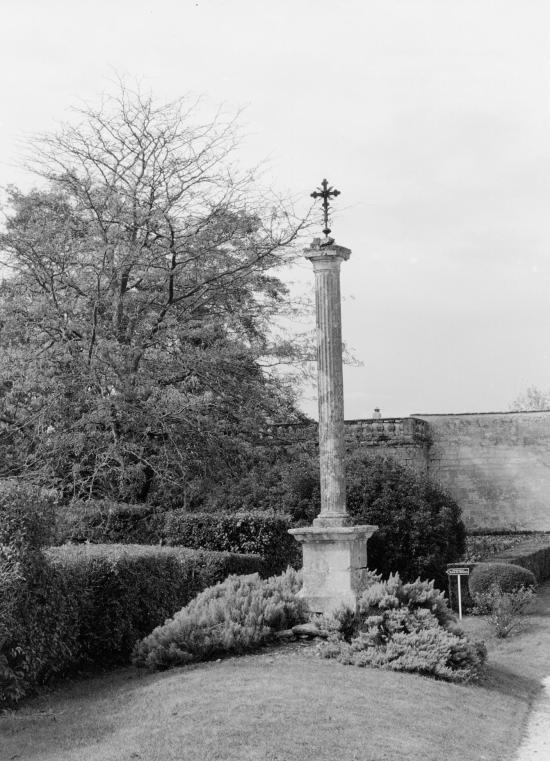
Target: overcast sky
x,y
433,119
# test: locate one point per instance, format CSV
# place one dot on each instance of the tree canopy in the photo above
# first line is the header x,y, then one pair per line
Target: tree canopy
x,y
139,304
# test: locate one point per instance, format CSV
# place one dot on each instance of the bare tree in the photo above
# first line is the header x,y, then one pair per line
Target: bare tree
x,y
533,399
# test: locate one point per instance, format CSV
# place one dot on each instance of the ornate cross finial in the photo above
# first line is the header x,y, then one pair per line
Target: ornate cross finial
x,y
326,193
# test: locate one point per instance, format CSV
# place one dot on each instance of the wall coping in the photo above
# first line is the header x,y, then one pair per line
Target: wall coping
x,y
473,414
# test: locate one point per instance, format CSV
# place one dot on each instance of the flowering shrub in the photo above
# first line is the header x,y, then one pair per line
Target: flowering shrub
x,y
505,610
404,627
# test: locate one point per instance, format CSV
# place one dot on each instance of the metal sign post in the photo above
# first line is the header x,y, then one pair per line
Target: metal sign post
x,y
459,572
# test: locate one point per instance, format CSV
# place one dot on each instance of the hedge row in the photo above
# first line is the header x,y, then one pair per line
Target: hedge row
x,y
529,555
253,532
264,534
73,606
481,547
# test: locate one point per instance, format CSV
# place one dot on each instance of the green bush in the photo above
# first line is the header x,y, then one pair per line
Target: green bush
x,y
420,529
237,615
259,533
507,576
506,610
26,515
89,604
404,627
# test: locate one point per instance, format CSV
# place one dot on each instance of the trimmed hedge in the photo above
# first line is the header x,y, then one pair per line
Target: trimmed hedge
x,y
89,604
507,576
531,555
104,522
264,534
484,547
251,532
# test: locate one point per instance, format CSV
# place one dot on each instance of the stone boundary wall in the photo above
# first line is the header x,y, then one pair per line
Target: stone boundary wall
x,y
496,465
406,440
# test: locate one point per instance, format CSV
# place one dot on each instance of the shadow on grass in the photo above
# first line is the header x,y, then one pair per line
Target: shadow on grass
x,y
497,678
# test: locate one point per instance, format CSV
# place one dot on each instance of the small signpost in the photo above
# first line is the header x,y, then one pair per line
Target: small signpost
x,y
459,572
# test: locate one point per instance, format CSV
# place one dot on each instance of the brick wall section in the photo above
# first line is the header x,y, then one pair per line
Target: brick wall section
x,y
496,466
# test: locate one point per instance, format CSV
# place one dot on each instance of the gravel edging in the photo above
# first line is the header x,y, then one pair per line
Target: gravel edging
x,y
536,744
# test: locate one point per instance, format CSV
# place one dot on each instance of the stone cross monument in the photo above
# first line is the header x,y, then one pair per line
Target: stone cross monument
x,y
335,553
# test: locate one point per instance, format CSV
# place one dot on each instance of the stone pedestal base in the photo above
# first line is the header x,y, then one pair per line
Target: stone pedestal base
x,y
335,562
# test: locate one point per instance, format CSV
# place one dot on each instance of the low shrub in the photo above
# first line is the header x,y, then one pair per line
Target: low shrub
x,y
88,604
506,576
237,615
506,610
259,533
404,627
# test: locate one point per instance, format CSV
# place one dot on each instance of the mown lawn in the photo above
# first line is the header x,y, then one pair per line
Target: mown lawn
x,y
287,705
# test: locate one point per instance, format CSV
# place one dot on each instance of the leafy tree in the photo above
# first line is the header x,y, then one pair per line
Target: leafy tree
x,y
139,306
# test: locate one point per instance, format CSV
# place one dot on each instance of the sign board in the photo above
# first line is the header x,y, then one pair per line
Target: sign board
x,y
459,572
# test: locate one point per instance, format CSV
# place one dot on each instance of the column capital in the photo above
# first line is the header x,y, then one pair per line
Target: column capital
x,y
325,257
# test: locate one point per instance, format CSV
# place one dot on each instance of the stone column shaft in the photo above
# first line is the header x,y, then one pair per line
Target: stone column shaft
x,y
335,553
326,266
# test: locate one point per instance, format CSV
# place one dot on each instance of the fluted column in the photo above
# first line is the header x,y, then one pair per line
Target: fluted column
x,y
334,552
326,262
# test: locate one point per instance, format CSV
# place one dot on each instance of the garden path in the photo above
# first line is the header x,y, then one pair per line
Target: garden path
x,y
536,745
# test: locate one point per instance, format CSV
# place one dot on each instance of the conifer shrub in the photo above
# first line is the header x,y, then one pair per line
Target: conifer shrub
x,y
404,627
237,615
506,576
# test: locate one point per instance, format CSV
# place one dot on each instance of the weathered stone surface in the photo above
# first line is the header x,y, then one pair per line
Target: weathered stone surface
x,y
309,630
326,262
335,565
285,634
335,553
496,465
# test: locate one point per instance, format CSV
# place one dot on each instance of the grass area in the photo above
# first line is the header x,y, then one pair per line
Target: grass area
x,y
288,705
